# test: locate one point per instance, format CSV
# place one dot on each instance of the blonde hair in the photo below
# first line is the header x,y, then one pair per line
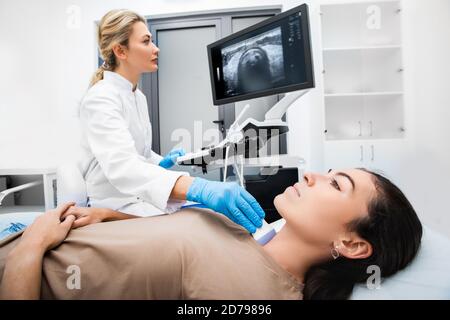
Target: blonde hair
x,y
114,28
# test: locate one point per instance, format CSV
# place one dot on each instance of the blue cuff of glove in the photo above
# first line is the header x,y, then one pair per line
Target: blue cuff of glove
x,y
169,160
166,163
195,190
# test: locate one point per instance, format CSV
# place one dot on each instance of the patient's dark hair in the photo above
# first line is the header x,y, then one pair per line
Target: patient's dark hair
x,y
391,227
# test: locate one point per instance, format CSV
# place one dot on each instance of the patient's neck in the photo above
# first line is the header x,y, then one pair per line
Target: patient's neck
x,y
293,254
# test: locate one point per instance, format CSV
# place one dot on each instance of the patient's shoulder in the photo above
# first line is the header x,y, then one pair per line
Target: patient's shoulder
x,y
194,228
201,221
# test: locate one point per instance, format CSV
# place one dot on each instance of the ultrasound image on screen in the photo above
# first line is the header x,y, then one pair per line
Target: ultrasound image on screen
x,y
253,64
269,58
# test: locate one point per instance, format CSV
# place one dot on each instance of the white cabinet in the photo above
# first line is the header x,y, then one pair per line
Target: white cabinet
x,y
383,156
26,178
361,24
343,154
363,70
363,85
364,116
387,156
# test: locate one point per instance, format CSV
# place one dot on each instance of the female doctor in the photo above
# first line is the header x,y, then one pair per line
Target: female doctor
x,y
120,169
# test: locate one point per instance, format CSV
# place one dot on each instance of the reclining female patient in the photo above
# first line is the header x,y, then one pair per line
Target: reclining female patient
x,y
336,226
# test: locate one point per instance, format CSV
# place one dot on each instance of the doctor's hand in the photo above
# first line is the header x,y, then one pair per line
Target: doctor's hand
x,y
171,157
88,215
230,199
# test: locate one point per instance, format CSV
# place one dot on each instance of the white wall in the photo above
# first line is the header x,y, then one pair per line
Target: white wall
x,y
427,42
46,67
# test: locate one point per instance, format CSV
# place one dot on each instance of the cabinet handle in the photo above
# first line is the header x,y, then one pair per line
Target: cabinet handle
x,y
371,128
373,152
360,129
362,153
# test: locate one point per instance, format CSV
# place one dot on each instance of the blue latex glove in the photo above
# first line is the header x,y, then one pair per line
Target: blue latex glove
x,y
230,199
169,160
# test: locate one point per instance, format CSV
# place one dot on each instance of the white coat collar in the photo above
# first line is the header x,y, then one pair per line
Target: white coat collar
x,y
117,79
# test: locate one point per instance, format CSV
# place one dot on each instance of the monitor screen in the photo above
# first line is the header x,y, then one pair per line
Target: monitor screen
x,y
271,57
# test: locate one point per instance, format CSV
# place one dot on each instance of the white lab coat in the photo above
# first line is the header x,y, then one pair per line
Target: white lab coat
x,y
120,169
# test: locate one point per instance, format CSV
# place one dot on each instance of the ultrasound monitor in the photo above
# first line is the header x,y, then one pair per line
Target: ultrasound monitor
x,y
271,57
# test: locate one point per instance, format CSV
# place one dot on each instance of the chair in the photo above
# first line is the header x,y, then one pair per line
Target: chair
x,y
71,185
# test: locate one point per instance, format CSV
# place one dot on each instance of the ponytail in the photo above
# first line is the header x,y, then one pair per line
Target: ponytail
x,y
98,75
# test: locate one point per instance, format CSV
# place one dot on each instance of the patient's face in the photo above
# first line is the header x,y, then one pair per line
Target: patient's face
x,y
319,207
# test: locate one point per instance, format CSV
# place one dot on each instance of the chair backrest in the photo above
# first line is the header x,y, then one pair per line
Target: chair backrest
x,y
71,185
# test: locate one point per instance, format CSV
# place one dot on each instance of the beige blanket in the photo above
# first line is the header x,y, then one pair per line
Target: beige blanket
x,y
191,254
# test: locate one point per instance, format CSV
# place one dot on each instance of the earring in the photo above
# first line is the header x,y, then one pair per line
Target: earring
x,y
335,253
105,65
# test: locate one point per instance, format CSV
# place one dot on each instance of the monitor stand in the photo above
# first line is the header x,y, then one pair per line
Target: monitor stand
x,y
273,118
271,126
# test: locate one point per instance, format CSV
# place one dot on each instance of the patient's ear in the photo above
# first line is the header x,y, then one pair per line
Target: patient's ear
x,y
353,246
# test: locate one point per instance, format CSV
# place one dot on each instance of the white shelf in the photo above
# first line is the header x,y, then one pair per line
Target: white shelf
x,y
362,71
21,209
363,85
331,3
362,48
361,24
360,117
26,171
362,94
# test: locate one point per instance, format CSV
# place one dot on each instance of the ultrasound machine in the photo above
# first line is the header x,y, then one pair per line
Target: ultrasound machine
x,y
268,58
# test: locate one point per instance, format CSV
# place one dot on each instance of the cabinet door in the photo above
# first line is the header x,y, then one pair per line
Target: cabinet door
x,y
344,117
344,154
383,117
387,157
